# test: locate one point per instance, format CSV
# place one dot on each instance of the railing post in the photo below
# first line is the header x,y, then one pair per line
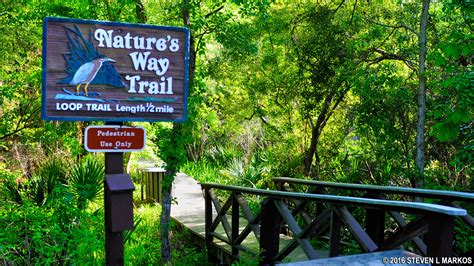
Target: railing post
x,y
235,226
269,233
335,240
208,221
280,186
375,225
440,236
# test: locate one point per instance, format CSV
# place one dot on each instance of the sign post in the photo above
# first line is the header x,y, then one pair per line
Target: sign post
x,y
113,240
114,72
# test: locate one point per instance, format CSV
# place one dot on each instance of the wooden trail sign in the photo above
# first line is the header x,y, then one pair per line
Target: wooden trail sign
x,y
109,71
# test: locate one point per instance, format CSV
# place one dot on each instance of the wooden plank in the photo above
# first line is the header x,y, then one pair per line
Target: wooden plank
x,y
440,236
354,227
248,228
235,225
208,220
299,206
372,259
295,228
314,228
414,207
335,241
468,219
270,233
418,192
252,222
412,229
375,225
221,238
221,211
420,245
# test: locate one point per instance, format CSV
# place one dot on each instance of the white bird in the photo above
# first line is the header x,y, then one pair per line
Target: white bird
x,y
86,73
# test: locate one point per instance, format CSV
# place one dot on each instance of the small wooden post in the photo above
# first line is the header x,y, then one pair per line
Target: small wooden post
x,y
335,241
440,236
235,226
269,233
208,221
375,225
141,172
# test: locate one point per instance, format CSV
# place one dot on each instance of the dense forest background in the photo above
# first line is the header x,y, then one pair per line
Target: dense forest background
x,y
328,90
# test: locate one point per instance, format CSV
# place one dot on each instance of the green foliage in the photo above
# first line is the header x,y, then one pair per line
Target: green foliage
x,y
203,171
56,232
454,104
144,243
171,142
86,181
48,176
184,251
239,172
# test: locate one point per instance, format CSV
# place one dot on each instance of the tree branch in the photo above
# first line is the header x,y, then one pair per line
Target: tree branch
x,y
214,11
400,26
339,6
353,11
387,56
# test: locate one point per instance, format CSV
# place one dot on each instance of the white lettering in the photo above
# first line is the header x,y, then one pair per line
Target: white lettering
x,y
100,35
118,41
153,89
139,59
149,42
127,41
68,106
133,80
139,42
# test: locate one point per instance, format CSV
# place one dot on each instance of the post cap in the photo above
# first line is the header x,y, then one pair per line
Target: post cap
x,y
117,183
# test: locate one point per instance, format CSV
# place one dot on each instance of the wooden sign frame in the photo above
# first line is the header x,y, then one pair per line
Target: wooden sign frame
x,y
114,72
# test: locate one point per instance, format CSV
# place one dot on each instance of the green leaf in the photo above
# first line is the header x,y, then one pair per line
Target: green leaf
x,y
460,116
451,50
445,131
440,61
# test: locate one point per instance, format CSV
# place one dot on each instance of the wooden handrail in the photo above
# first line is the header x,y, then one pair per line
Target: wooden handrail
x,y
418,192
437,221
445,197
413,207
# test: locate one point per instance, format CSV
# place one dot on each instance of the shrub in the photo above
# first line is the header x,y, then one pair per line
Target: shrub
x,y
86,181
53,233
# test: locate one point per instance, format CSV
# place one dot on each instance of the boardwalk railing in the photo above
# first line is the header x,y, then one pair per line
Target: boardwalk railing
x,y
265,224
375,223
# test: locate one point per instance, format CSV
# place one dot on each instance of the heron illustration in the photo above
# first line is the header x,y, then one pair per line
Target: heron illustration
x,y
85,64
87,72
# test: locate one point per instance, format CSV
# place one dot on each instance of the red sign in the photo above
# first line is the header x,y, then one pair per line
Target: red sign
x,y
114,139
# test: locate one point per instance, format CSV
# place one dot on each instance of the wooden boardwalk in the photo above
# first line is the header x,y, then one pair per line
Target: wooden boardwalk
x,y
188,210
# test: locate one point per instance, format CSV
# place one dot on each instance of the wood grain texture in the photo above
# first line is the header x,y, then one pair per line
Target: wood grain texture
x,y
55,70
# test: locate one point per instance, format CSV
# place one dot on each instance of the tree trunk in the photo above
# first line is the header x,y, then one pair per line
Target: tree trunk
x,y
312,150
177,131
315,134
140,11
420,148
165,224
